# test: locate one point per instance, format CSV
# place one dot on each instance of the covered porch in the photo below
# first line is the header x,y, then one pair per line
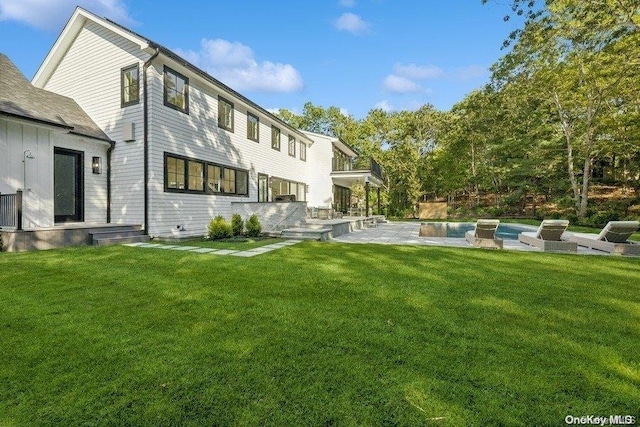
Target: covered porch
x,y
368,177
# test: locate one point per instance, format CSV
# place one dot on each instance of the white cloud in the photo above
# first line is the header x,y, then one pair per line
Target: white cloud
x,y
385,106
418,72
52,15
397,84
352,23
347,3
235,65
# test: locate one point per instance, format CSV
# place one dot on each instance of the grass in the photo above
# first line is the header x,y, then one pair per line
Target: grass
x,y
317,334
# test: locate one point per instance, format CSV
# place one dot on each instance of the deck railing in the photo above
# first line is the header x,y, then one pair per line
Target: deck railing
x,y
11,210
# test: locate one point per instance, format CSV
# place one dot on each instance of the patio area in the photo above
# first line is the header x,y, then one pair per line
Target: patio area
x,y
407,233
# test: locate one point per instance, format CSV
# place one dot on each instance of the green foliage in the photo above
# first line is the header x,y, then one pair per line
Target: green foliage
x,y
219,228
254,228
237,224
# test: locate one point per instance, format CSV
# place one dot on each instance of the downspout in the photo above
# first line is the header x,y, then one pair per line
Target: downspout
x,y
112,145
146,140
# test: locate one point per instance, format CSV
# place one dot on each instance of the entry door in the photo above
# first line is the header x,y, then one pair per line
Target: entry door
x,y
68,200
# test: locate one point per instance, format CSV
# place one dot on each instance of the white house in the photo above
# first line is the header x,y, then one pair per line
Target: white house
x,y
185,147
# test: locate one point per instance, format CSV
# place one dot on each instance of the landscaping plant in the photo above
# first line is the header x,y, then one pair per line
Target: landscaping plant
x,y
237,224
219,228
254,228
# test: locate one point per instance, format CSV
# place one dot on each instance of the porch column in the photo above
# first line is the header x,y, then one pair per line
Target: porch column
x,y
379,210
366,198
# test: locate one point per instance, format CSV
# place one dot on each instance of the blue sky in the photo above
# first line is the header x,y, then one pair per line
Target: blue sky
x,y
353,54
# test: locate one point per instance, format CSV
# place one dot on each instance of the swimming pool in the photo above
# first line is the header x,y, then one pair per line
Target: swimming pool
x,y
457,229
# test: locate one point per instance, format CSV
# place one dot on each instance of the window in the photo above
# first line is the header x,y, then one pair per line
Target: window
x,y
242,182
196,176
176,90
184,175
303,151
283,187
275,138
129,86
263,188
229,181
341,162
225,114
292,146
214,179
175,173
253,125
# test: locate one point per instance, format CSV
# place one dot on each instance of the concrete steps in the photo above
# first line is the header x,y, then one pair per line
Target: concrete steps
x,y
322,234
119,235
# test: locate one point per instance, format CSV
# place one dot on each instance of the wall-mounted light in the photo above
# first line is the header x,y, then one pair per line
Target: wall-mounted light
x,y
96,165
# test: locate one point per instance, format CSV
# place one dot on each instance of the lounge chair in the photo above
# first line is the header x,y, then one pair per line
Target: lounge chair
x,y
484,235
548,237
614,238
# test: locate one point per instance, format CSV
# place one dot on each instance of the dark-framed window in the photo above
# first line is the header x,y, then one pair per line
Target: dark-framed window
x,y
275,138
292,146
129,85
285,187
176,90
183,174
225,114
253,127
303,151
187,175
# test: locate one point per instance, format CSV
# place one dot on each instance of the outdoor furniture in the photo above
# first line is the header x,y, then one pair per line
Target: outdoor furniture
x,y
325,213
614,238
484,235
548,237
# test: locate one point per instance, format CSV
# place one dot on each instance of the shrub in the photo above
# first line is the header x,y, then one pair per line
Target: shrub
x,y
219,228
254,228
237,224
1,242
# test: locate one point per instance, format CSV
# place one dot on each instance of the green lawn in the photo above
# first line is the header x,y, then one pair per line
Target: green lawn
x,y
317,334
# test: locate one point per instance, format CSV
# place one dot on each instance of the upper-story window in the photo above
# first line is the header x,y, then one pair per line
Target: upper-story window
x,y
129,86
176,90
225,114
303,151
253,125
292,146
275,138
341,162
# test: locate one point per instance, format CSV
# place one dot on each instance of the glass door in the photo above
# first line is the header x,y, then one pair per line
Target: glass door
x,y
68,200
263,188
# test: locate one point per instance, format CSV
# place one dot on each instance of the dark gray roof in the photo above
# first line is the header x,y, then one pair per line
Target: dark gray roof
x,y
19,98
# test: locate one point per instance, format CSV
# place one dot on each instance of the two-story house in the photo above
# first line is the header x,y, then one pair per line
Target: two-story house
x,y
183,146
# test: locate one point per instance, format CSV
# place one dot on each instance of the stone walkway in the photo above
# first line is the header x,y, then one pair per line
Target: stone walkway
x,y
246,254
408,233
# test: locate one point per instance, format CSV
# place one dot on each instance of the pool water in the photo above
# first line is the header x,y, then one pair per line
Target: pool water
x,y
457,230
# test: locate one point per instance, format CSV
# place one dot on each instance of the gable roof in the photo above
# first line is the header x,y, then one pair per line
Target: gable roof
x,y
343,146
20,99
77,21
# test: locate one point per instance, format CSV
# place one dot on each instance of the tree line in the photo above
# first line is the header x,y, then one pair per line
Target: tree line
x,y
560,112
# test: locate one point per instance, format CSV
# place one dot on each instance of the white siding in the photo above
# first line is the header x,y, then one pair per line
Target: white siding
x,y
198,136
90,74
37,173
318,173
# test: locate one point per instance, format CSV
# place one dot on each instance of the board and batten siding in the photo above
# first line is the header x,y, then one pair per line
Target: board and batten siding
x,y
36,179
197,135
89,73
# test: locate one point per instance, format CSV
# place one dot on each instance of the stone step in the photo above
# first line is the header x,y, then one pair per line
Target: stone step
x,y
321,234
132,238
